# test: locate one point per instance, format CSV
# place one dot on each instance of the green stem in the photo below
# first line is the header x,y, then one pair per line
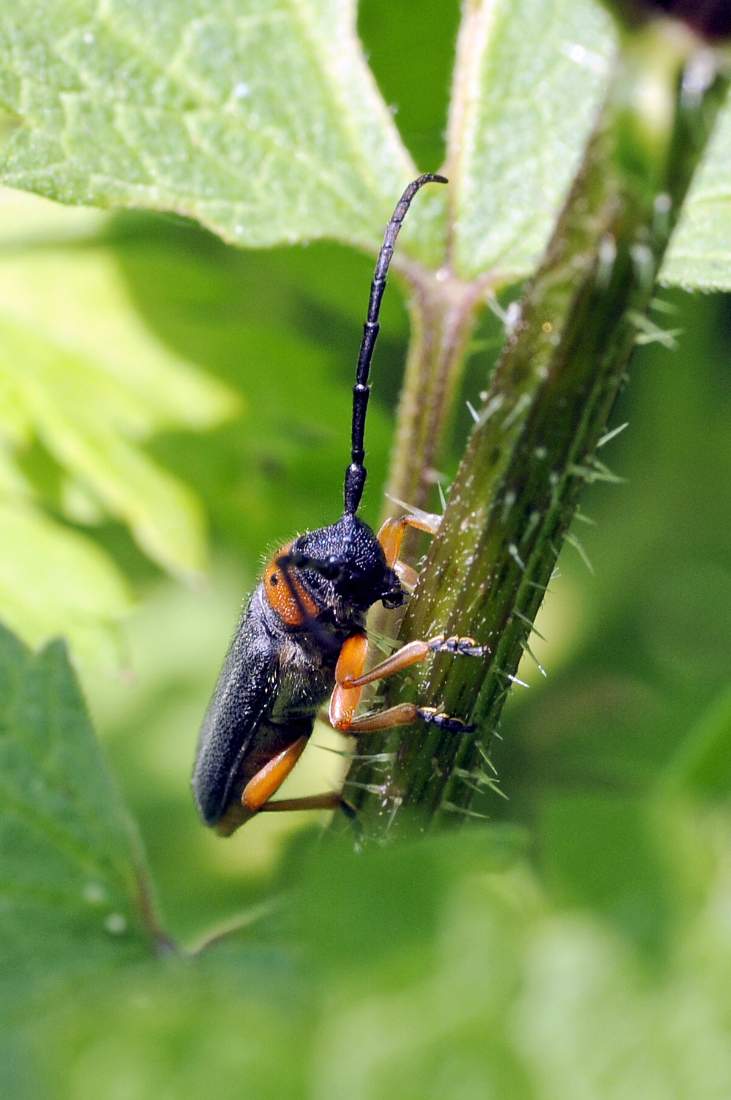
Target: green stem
x,y
442,311
533,450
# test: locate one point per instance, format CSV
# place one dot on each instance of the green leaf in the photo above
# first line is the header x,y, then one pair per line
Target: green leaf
x,y
700,252
527,84
72,878
528,80
263,122
259,119
330,920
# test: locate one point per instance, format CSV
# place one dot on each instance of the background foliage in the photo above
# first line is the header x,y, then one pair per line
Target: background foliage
x,y
156,382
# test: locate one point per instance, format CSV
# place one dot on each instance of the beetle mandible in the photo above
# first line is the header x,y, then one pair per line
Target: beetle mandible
x,y
302,634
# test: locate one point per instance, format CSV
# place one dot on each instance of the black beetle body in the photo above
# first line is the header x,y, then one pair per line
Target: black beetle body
x,y
277,675
302,635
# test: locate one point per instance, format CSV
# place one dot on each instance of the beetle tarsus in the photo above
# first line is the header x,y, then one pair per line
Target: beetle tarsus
x,y
443,721
463,647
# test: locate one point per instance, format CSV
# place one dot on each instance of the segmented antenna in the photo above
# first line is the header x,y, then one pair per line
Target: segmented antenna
x,y
355,475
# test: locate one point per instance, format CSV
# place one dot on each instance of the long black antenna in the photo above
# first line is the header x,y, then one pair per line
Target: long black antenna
x,y
355,475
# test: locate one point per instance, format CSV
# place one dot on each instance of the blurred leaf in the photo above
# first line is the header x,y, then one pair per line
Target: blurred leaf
x,y
174,1031
528,81
51,577
25,219
519,998
600,853
167,326
404,909
85,377
486,991
59,275
72,878
84,384
440,965
261,120
702,765
70,408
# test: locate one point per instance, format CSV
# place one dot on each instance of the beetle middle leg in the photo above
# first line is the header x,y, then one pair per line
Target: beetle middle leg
x,y
350,679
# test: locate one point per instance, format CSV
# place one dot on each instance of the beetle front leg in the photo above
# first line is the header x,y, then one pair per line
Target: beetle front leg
x,y
391,536
412,654
407,575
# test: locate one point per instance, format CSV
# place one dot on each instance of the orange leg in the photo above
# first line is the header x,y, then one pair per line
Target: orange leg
x,y
391,536
328,800
269,779
406,574
411,654
405,714
350,679
344,700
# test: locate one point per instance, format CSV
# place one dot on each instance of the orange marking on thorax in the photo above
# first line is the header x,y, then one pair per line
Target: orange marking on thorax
x,y
279,593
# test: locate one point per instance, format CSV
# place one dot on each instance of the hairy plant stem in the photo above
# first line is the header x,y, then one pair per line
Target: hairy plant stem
x,y
442,312
534,447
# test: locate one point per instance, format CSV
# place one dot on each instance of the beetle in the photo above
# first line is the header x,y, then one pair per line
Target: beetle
x,y
302,638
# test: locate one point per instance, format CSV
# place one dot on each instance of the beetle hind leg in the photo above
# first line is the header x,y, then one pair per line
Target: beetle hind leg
x,y
269,779
257,794
328,800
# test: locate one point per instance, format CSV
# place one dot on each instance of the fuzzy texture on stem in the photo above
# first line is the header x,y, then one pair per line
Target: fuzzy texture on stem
x,y
442,311
534,446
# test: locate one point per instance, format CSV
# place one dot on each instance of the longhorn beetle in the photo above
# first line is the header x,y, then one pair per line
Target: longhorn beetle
x,y
302,635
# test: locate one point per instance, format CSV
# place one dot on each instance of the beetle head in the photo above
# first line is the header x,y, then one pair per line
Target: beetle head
x,y
345,567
